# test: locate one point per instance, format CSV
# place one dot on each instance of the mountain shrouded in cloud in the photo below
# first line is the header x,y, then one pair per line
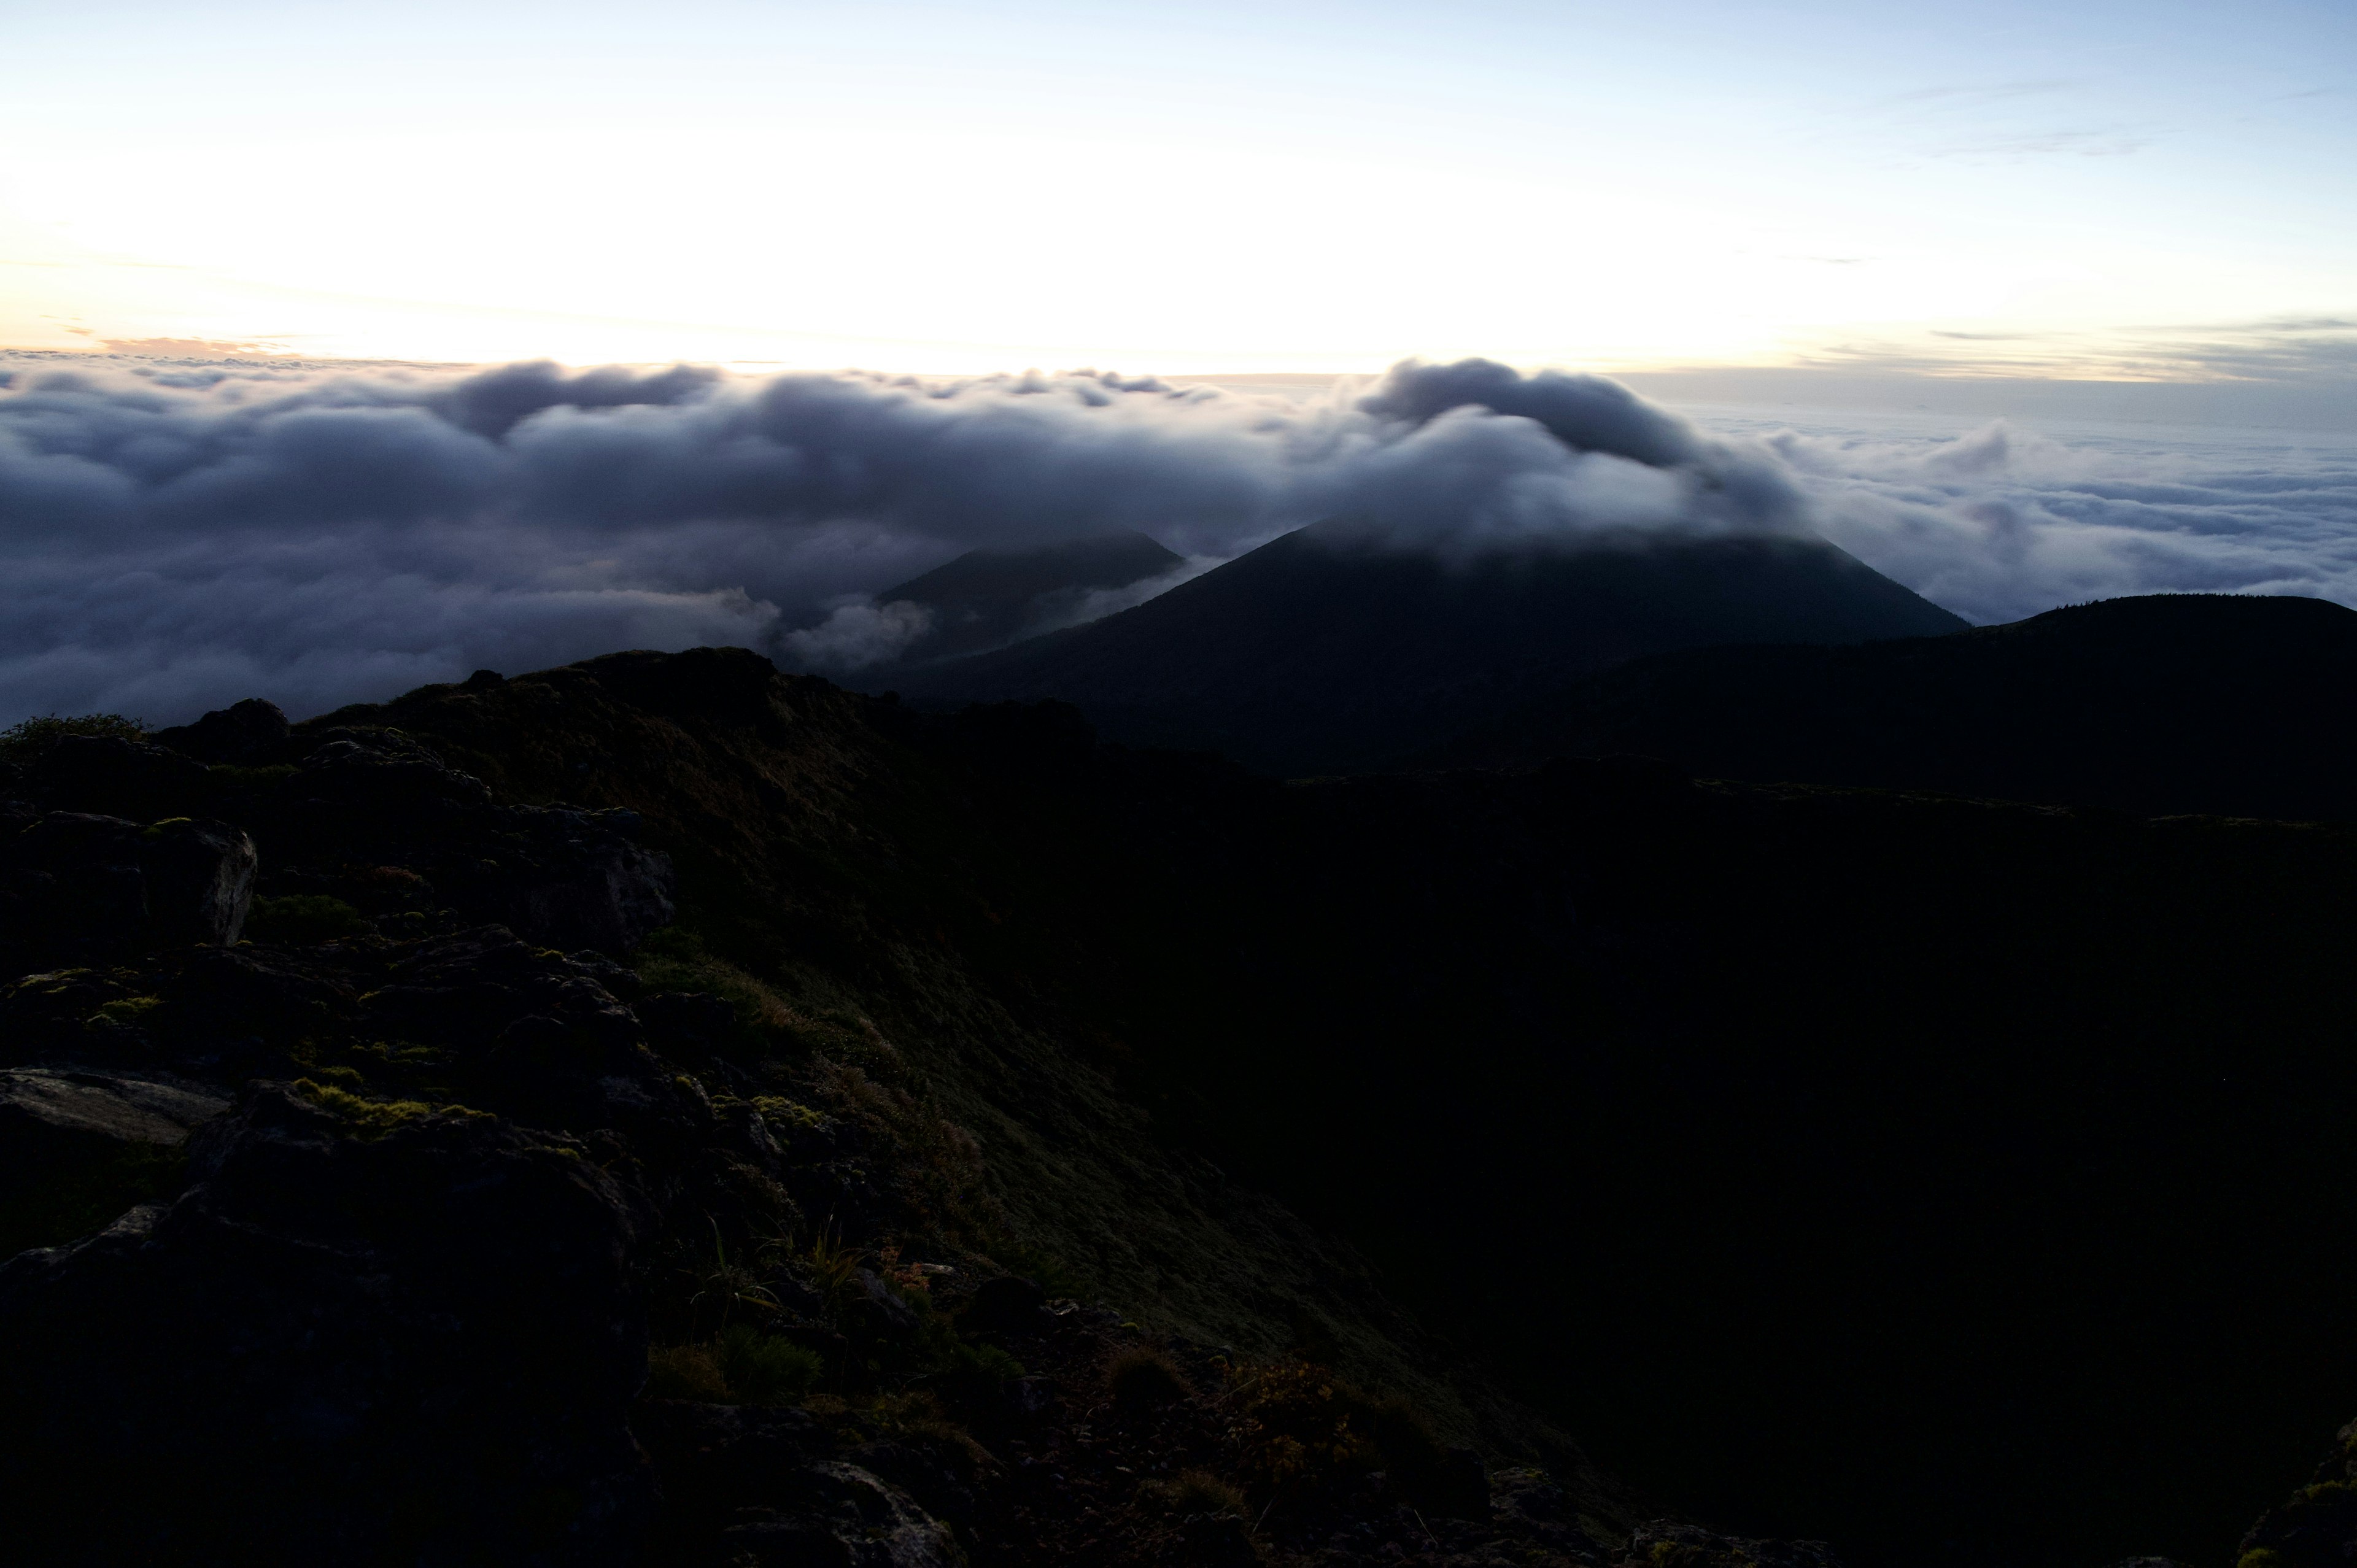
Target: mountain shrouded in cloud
x,y
178,536
987,598
1331,650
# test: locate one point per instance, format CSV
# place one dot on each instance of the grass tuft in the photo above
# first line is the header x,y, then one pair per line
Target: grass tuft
x,y
368,1118
299,919
1143,1379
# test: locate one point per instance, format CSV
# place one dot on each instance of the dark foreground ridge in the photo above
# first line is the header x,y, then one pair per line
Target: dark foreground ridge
x,y
2231,703
662,1110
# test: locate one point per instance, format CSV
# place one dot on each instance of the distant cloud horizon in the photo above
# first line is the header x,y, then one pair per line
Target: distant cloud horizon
x,y
182,534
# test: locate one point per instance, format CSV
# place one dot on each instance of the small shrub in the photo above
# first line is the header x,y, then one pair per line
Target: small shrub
x,y
786,1117
684,1372
968,1366
725,1285
301,918
29,740
672,959
1143,1379
262,778
833,1265
762,1369
1303,1424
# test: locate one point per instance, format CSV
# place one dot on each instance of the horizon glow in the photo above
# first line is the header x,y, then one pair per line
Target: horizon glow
x,y
2159,192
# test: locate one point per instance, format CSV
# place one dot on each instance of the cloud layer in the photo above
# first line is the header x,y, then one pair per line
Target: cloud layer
x,y
2003,523
179,536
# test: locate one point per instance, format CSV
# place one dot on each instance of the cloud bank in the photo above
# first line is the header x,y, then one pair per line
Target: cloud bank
x,y
2002,522
177,536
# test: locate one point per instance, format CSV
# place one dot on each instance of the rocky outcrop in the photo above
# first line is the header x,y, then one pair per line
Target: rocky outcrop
x,y
77,886
1663,1544
559,876
344,1343
749,1486
2316,1526
247,732
78,1146
47,1114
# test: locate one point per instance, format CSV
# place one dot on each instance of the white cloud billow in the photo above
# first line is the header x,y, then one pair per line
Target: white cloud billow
x,y
176,537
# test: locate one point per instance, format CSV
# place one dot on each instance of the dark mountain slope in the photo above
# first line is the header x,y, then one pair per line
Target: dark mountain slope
x,y
1958,1181
987,598
1741,1127
1327,651
2177,703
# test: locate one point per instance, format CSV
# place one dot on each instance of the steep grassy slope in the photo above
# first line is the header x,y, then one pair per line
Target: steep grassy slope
x,y
1944,1178
856,872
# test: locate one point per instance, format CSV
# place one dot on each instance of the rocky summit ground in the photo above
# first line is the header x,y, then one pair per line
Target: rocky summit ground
x,y
445,1217
620,1115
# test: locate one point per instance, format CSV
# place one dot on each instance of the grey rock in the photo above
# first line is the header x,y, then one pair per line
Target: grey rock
x,y
418,1346
880,1312
612,893
78,885
72,1107
1693,1547
847,1516
199,882
752,1483
1009,1304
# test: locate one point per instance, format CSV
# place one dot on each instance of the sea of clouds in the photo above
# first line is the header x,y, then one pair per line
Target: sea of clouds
x,y
177,536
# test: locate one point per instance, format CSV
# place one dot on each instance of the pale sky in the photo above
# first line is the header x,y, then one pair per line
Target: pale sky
x,y
2140,190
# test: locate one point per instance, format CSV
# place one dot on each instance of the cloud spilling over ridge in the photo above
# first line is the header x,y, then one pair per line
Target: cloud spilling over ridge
x,y
180,535
2002,522
197,533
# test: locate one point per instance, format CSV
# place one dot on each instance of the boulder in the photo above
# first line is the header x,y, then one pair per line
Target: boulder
x,y
1009,1304
751,1485
605,894
841,1514
78,1147
199,882
689,1023
416,1344
47,1113
74,885
877,1311
1456,1486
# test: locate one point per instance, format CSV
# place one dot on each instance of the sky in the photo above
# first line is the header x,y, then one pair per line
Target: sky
x,y
2149,192
346,346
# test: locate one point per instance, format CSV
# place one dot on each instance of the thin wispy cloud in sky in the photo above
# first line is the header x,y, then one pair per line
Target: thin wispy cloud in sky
x,y
183,537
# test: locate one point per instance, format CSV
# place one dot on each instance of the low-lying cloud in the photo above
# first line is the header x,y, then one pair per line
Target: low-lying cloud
x,y
2002,522
180,535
